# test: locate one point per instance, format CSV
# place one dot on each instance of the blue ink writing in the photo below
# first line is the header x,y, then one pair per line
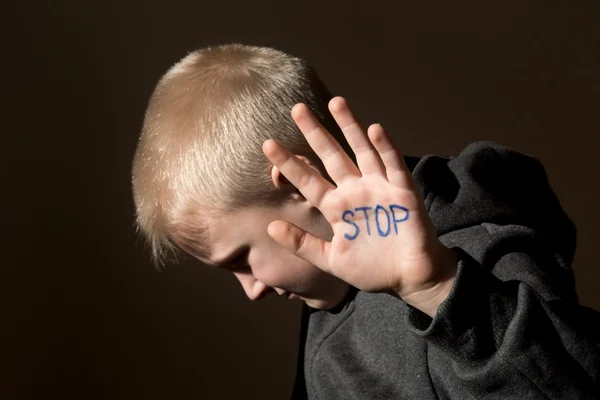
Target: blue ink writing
x,y
350,222
381,233
394,215
379,209
365,209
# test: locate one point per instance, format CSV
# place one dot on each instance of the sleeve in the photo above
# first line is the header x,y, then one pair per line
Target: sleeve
x,y
511,326
504,338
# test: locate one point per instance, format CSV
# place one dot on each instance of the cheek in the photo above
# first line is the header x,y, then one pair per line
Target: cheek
x,y
283,270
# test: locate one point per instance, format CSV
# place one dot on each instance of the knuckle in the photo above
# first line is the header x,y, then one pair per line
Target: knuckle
x,y
304,180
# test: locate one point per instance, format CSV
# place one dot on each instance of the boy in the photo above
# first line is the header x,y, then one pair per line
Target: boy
x,y
422,278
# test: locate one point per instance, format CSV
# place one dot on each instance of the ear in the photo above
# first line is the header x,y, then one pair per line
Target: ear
x,y
281,182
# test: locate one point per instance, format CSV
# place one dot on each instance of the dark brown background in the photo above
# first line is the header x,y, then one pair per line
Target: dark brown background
x,y
85,315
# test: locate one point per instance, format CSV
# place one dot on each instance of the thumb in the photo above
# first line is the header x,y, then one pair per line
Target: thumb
x,y
301,243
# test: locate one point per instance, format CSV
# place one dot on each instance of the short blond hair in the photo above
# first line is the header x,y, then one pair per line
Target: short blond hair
x,y
200,150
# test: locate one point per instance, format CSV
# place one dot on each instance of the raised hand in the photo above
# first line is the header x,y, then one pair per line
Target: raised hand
x,y
384,240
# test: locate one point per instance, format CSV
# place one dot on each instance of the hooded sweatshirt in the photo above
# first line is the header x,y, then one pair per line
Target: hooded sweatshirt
x,y
511,327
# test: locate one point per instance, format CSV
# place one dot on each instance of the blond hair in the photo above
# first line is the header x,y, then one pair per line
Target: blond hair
x,y
200,150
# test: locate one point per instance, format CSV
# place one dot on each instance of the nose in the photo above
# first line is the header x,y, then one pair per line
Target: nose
x,y
259,291
255,290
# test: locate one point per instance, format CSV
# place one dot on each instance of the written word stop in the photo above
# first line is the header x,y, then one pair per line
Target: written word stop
x,y
384,217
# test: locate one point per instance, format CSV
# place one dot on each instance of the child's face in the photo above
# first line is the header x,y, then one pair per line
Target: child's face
x,y
271,267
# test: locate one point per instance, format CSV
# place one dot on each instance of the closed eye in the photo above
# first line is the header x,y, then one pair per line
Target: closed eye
x,y
239,262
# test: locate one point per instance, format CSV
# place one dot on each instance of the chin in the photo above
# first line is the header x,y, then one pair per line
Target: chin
x,y
317,304
321,304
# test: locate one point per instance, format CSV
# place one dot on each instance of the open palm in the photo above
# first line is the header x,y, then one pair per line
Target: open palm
x,y
383,239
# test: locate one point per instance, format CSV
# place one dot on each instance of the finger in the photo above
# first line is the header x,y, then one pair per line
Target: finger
x,y
367,157
338,164
310,183
301,243
397,172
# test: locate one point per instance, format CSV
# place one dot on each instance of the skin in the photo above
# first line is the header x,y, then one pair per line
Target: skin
x,y
264,266
315,250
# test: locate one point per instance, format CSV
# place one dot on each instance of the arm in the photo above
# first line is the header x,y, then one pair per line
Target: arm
x,y
511,322
487,183
503,336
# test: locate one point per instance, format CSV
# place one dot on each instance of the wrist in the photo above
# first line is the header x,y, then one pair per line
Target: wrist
x,y
428,299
